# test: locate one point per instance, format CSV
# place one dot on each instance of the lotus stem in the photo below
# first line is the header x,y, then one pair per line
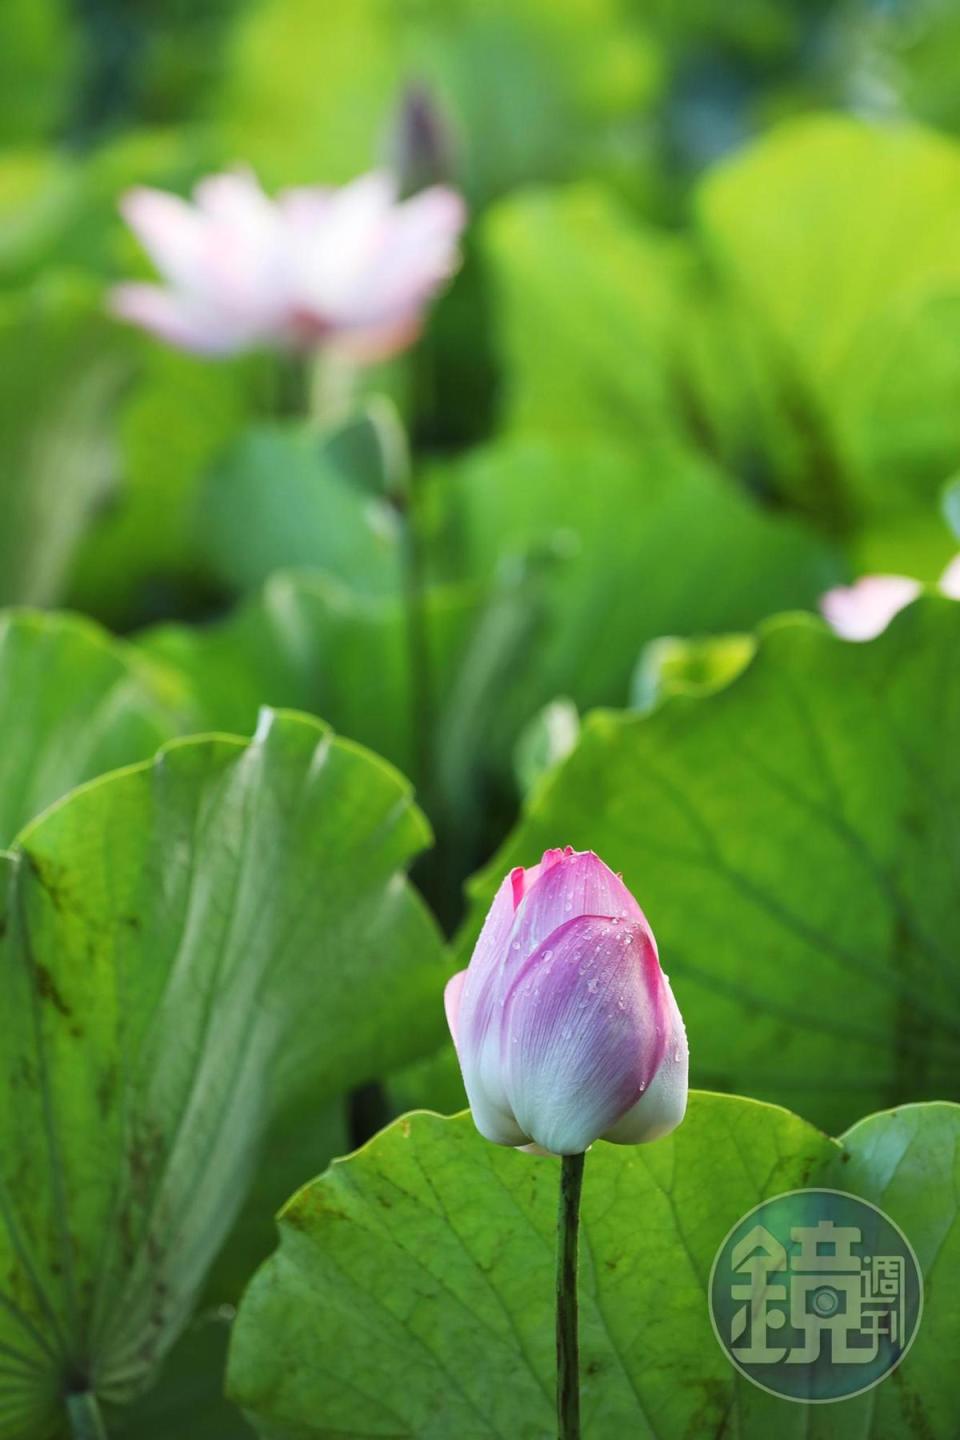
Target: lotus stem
x,y
568,1337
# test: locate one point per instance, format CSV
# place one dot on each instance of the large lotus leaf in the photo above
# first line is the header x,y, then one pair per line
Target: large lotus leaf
x,y
841,240
73,704
412,1291
142,553
692,666
188,945
63,365
525,85
188,1397
653,543
606,325
589,318
280,499
792,839
306,642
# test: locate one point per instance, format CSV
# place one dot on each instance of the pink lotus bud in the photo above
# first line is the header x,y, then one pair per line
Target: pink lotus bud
x,y
352,269
864,609
565,1026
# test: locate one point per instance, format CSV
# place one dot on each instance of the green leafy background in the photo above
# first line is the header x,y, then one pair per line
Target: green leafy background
x,y
701,362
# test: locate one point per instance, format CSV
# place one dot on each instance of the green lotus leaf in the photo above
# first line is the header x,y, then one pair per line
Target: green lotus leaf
x,y
189,946
792,839
412,1290
74,703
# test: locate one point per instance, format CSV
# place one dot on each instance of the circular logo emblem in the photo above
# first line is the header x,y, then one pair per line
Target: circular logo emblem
x,y
815,1295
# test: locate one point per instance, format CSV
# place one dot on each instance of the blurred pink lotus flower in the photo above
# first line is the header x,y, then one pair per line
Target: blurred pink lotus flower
x,y
864,609
950,579
351,269
565,1026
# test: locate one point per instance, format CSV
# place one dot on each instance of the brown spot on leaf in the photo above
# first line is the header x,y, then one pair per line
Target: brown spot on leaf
x,y
106,1088
712,1415
47,988
919,1424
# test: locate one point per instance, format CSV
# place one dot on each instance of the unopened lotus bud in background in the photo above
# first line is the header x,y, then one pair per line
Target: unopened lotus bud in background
x,y
864,609
564,1023
350,270
419,143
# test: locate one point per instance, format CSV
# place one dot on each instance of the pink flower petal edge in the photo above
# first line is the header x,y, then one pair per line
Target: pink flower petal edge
x,y
863,610
352,269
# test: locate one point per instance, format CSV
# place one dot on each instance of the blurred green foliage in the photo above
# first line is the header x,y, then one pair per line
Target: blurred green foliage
x,y
38,53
